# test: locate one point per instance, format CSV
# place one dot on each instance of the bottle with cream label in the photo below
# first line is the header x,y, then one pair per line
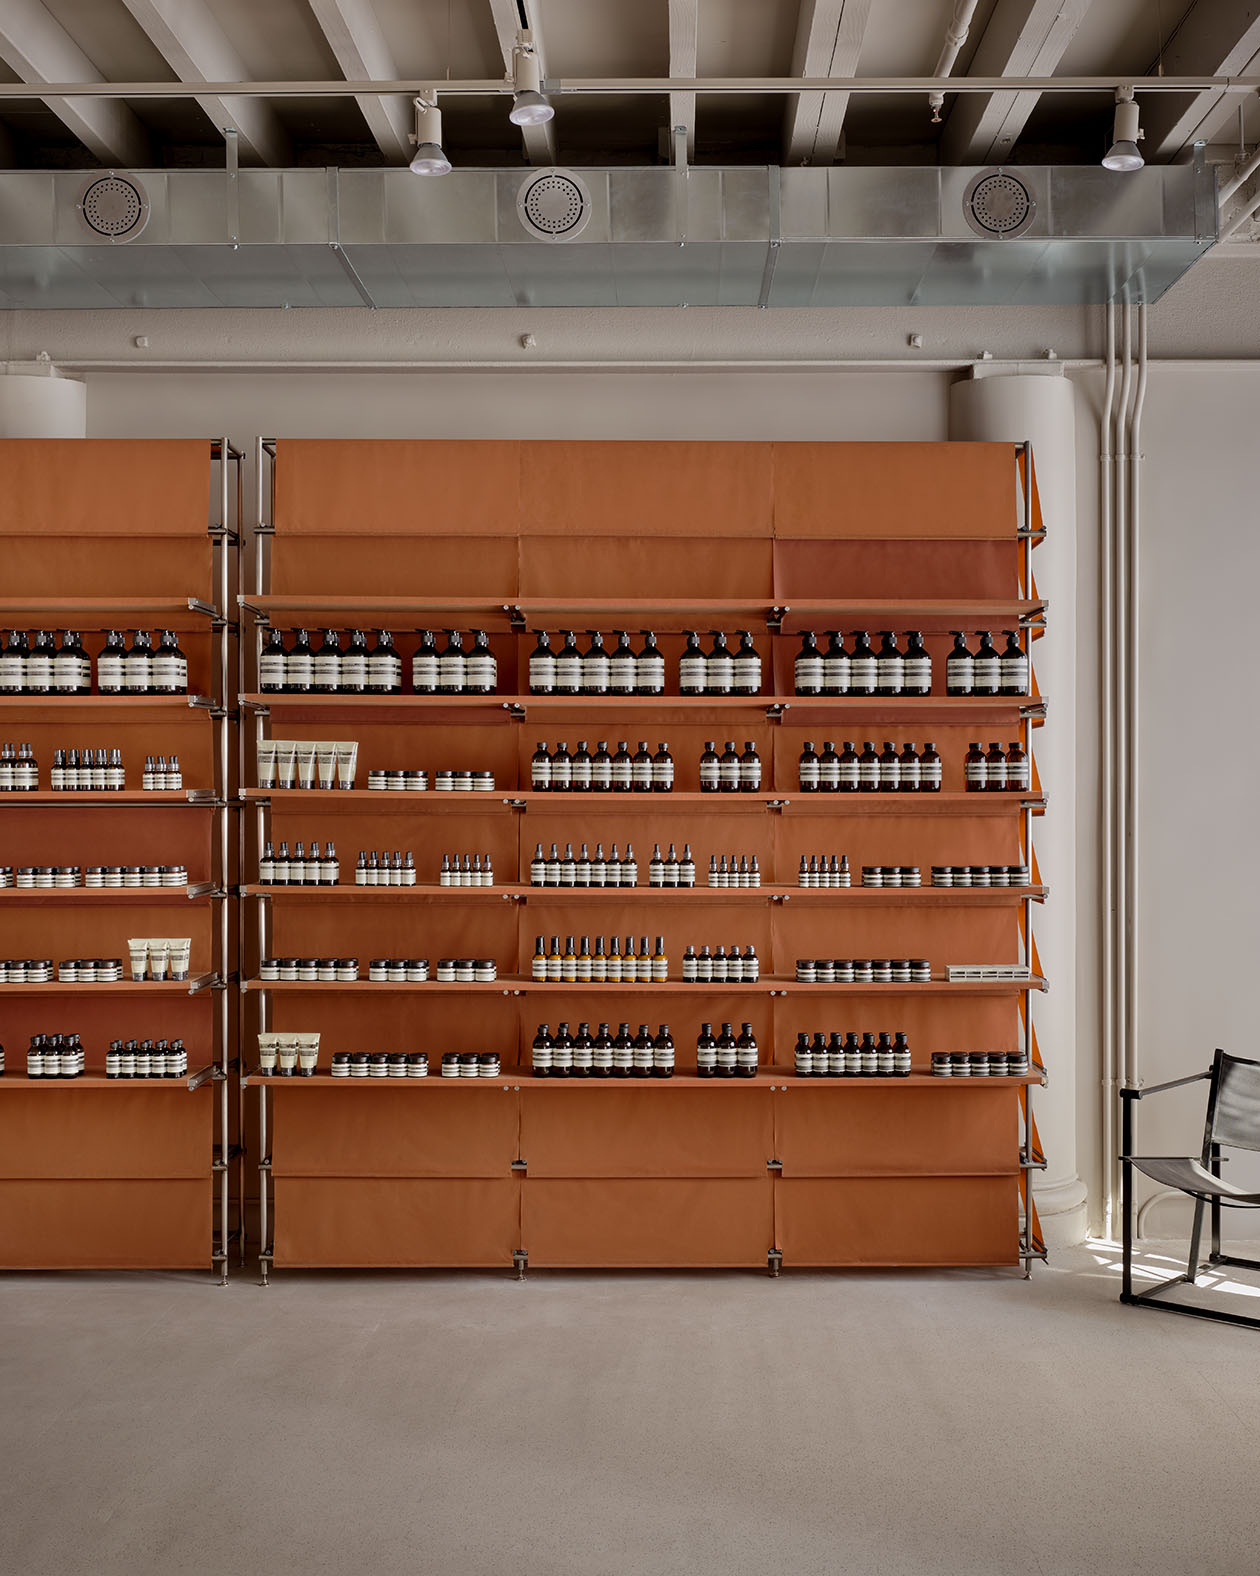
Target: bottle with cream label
x,y
975,769
452,665
596,667
986,667
622,667
425,665
39,664
299,664
326,666
1017,773
352,678
692,667
889,665
747,679
601,768
649,668
481,672
542,666
835,666
916,666
959,666
929,769
272,669
719,667
1013,670
863,666
13,662
808,668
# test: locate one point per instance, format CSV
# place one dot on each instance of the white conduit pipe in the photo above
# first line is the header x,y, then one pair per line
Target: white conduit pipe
x,y
1247,211
1120,680
956,30
1133,634
1106,488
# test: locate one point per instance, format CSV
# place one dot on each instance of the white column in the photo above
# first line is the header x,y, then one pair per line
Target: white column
x,y
1009,407
36,403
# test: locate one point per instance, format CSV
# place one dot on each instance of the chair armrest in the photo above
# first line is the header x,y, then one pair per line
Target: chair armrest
x,y
1176,1083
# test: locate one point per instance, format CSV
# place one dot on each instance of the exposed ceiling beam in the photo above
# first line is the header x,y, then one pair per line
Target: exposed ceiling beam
x,y
354,36
511,17
35,45
1024,38
828,42
190,40
1225,33
684,37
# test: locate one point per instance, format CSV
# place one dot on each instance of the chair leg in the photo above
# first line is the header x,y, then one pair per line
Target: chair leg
x,y
1126,1216
1192,1269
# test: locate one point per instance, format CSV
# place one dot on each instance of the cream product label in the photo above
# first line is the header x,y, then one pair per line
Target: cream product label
x,y
917,673
1014,672
692,671
868,772
985,672
748,673
542,672
959,672
977,772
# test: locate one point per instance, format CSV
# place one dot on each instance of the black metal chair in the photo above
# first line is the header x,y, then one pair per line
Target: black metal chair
x,y
1233,1120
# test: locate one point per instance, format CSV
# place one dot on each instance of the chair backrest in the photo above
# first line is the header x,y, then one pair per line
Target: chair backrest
x,y
1233,1116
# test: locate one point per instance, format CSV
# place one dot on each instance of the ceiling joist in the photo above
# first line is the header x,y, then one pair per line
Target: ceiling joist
x,y
1024,38
684,40
191,41
355,38
829,37
1222,39
35,45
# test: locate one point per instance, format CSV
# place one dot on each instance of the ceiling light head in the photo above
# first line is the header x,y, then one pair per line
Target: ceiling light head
x,y
429,158
529,106
1126,133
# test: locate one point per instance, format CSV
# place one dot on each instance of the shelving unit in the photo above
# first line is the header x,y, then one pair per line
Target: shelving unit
x,y
684,1171
93,1172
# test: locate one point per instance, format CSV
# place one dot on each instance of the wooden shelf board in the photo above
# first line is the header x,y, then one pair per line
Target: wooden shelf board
x,y
15,1078
768,985
875,707
523,1078
132,798
107,896
878,897
793,802
189,987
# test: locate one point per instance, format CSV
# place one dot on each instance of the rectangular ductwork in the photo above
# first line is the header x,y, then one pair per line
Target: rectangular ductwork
x,y
1035,236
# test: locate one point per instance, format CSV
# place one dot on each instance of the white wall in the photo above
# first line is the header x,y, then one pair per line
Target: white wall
x,y
1199,749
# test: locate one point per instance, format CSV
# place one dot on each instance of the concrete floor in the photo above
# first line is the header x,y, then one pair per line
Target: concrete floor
x,y
871,1424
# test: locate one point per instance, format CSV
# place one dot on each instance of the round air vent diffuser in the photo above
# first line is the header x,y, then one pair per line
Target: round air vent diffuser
x,y
998,205
554,206
114,207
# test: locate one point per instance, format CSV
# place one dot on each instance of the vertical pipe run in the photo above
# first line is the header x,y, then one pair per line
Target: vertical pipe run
x,y
1133,632
1106,484
1120,672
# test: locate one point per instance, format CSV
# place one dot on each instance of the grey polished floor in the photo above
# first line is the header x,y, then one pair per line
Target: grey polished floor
x,y
874,1424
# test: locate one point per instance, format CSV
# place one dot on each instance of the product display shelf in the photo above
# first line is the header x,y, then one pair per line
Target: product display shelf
x,y
874,897
864,1171
522,984
89,988
776,1078
16,1079
121,799
390,801
122,897
873,708
670,613
125,1183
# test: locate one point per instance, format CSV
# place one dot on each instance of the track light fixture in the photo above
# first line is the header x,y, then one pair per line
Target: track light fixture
x,y
429,158
1123,153
529,106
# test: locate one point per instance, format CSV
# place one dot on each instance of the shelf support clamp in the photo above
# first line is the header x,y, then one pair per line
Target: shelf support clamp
x,y
774,1263
520,1263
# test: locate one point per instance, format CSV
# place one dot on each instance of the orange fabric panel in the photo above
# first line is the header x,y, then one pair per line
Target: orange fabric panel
x,y
39,567
693,1222
84,1133
646,489
103,486
100,1019
165,834
641,563
394,1021
938,840
836,1131
942,935
70,931
403,1132
387,565
90,1225
909,569
894,489
381,486
897,1220
615,1130
384,1223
